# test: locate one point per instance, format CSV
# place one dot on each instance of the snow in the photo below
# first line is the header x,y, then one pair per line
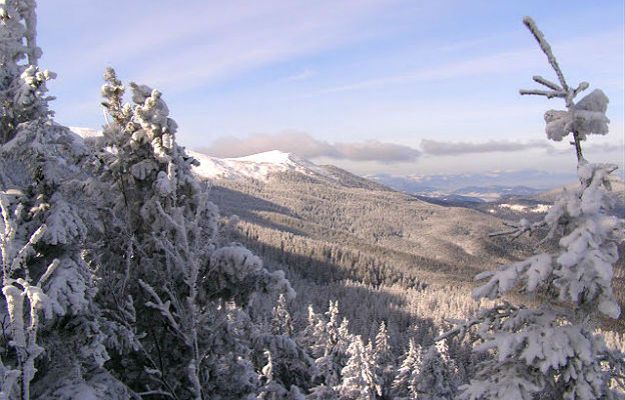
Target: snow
x,y
269,157
86,132
259,166
538,208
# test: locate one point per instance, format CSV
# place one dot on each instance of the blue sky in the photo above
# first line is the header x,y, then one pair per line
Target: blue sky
x,y
352,83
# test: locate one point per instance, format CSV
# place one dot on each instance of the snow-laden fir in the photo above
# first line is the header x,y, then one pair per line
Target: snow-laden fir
x,y
120,280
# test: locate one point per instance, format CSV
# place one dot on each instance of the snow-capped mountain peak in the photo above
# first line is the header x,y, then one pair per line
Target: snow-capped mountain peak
x,y
256,166
271,157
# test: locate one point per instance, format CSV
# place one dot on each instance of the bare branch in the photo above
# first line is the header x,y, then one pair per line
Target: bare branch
x,y
519,228
503,310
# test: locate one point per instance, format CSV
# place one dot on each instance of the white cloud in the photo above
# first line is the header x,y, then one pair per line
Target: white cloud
x,y
439,148
249,36
306,146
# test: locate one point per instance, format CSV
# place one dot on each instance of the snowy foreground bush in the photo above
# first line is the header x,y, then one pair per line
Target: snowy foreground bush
x,y
117,283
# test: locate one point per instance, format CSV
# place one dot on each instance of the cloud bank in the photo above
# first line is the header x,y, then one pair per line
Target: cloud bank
x,y
306,146
437,148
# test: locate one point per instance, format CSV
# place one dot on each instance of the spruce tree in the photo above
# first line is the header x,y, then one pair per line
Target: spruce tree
x,y
553,350
281,321
384,361
359,380
22,83
55,344
435,379
407,377
165,256
334,340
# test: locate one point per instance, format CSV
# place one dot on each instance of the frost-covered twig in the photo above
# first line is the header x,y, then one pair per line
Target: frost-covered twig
x,y
24,336
162,307
547,93
546,48
150,393
575,116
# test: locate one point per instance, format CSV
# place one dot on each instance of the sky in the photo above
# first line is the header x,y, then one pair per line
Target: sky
x,y
402,87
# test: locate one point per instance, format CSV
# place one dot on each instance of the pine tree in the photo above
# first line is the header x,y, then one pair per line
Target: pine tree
x,y
334,340
271,389
405,382
322,392
359,378
384,361
312,335
553,350
281,322
22,83
435,380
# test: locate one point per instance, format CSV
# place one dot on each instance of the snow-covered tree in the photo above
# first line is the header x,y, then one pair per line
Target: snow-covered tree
x,y
281,321
435,379
273,389
407,377
55,340
330,348
322,392
165,256
312,335
22,83
384,361
553,350
359,376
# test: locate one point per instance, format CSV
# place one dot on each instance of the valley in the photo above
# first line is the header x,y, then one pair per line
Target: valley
x,y
340,236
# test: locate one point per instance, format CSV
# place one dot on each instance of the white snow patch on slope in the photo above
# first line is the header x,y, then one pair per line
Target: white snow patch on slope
x,y
539,208
85,132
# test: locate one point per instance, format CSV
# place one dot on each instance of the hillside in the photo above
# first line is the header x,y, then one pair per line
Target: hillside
x,y
327,227
401,233
342,237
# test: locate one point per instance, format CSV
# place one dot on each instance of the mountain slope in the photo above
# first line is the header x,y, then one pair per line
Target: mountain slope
x,y
409,239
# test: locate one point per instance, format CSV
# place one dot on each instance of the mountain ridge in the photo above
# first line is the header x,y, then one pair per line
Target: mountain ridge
x,y
260,166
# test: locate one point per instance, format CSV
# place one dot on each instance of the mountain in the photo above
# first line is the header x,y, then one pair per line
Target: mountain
x,y
326,228
257,166
289,207
476,187
282,192
265,166
532,206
